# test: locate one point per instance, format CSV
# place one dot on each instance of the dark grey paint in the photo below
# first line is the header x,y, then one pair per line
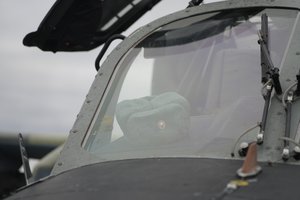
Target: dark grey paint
x,y
163,179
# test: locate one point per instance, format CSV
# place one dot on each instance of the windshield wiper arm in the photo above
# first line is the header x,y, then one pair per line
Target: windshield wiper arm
x,y
268,69
270,74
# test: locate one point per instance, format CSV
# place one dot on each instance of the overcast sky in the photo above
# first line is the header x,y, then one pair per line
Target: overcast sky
x,y
42,92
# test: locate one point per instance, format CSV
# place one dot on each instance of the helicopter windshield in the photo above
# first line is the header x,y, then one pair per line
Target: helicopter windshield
x,y
190,88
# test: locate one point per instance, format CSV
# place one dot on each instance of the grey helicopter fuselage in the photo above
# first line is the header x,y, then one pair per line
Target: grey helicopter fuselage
x,y
171,104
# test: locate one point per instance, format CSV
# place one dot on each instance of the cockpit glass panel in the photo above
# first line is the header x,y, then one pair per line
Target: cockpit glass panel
x,y
189,89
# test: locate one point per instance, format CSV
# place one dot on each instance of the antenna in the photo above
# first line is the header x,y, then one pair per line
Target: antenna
x,y
25,160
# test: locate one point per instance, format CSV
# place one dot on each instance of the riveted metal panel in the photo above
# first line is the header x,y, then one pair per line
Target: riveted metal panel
x,y
275,128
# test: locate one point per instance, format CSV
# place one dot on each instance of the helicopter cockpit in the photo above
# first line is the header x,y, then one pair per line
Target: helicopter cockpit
x,y
190,88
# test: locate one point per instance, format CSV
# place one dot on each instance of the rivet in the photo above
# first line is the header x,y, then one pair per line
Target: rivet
x,y
197,194
75,131
267,147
